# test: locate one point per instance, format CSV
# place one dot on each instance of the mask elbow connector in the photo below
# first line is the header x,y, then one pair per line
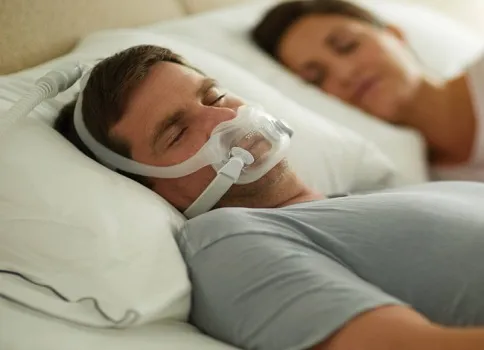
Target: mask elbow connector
x,y
239,159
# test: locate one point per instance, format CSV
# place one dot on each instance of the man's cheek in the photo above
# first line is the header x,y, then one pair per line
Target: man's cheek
x,y
201,179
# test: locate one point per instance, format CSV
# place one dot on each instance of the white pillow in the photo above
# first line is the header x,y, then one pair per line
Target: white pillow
x,y
79,228
67,222
443,46
73,225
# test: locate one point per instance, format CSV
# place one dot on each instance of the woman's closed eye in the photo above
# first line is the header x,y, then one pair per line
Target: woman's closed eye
x,y
314,76
317,79
342,42
346,46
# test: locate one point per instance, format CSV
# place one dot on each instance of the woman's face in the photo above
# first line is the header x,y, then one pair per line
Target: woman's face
x,y
364,65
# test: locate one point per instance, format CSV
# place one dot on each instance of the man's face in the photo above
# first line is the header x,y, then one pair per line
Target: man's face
x,y
169,117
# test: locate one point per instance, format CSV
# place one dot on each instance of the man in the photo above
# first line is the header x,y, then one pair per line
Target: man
x,y
277,266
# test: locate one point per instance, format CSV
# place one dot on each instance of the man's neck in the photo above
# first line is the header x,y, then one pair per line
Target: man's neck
x,y
305,195
287,190
444,116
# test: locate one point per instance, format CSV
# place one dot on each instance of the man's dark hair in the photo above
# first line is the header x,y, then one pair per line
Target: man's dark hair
x,y
105,97
269,31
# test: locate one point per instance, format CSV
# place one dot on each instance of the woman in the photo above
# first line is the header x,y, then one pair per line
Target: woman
x,y
348,52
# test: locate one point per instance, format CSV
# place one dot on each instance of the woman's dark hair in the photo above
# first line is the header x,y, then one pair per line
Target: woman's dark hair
x,y
268,32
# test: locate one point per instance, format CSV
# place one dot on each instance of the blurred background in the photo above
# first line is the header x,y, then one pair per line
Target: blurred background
x,y
469,12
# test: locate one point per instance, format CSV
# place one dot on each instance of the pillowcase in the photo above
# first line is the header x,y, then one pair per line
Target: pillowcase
x,y
444,46
95,236
225,32
102,242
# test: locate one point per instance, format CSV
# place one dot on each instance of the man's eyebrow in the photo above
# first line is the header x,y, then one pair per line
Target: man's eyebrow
x,y
164,125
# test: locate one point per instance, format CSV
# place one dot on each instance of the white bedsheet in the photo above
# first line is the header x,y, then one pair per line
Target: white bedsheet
x,y
28,330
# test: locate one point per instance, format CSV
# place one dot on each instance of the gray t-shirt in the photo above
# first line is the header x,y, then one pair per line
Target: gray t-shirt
x,y
289,278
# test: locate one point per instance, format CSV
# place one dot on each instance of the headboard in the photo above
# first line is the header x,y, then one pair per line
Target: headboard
x,y
32,32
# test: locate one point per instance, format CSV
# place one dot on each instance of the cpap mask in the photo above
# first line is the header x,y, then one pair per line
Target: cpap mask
x,y
241,151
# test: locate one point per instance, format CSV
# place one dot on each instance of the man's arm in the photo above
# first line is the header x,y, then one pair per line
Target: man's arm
x,y
400,328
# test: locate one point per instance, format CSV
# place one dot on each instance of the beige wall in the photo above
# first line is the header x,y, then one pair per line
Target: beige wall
x,y
194,6
468,12
35,31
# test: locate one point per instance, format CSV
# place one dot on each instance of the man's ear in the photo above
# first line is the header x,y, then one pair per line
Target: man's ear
x,y
394,30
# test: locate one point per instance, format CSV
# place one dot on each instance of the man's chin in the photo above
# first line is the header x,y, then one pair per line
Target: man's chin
x,y
272,177
256,193
279,172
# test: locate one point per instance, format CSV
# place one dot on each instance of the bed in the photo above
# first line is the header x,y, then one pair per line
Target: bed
x,y
65,221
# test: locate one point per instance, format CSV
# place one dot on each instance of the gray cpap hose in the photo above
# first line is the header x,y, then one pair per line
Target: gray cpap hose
x,y
48,86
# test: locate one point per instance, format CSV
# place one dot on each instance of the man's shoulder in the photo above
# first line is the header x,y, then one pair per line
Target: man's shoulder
x,y
209,228
223,219
205,230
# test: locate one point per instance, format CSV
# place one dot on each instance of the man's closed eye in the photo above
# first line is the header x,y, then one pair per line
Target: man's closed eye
x,y
178,136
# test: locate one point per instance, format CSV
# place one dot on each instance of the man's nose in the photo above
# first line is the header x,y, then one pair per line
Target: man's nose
x,y
214,116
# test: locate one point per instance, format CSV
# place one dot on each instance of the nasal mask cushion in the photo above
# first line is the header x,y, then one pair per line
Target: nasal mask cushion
x,y
266,138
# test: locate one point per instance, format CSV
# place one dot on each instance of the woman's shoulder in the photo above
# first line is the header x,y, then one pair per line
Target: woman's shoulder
x,y
475,76
477,62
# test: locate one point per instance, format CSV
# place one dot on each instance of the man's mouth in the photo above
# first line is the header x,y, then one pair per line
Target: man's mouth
x,y
258,146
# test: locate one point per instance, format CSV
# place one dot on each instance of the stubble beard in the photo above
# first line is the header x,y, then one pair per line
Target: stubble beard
x,y
263,193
